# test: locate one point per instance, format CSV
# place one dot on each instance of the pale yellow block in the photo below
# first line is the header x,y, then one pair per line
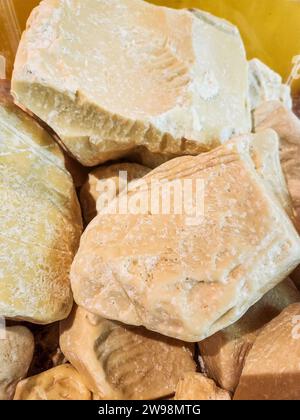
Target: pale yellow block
x,y
40,221
121,362
184,280
16,352
105,88
60,383
196,387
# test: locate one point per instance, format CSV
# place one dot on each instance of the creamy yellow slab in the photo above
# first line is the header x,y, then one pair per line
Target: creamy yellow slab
x,y
224,354
272,369
190,280
62,383
16,352
112,75
40,221
123,362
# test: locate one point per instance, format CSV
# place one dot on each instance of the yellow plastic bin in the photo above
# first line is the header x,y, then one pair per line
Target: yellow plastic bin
x,y
10,32
270,29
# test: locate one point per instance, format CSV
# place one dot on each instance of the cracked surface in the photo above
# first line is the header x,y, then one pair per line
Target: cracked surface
x,y
195,386
150,76
224,353
16,352
40,221
60,383
272,370
124,362
274,115
190,281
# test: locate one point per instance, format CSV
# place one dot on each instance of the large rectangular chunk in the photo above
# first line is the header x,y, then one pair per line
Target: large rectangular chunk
x,y
224,353
40,221
272,368
189,278
112,75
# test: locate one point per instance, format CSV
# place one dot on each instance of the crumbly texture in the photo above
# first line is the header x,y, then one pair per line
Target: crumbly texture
x,y
272,369
40,221
224,353
60,383
106,175
274,115
189,280
122,362
110,76
103,81
266,85
16,351
264,153
195,386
